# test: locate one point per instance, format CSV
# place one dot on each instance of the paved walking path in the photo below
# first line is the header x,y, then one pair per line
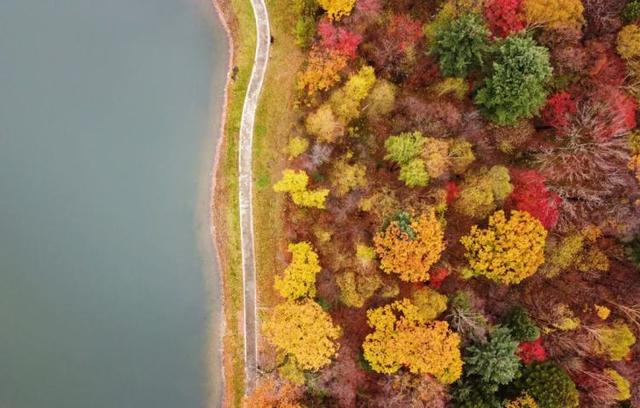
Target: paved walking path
x,y
245,172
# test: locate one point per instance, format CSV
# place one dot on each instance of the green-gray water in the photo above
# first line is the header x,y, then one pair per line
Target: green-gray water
x,y
108,119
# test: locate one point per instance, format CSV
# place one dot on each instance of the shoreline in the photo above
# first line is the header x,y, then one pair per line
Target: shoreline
x,y
213,232
216,215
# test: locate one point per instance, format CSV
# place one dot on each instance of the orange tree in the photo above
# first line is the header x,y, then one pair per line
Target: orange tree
x,y
410,247
508,251
304,332
403,337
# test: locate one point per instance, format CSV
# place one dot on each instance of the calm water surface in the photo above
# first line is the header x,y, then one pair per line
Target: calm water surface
x,y
108,111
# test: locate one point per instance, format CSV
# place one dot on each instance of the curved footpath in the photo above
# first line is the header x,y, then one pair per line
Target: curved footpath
x,y
245,172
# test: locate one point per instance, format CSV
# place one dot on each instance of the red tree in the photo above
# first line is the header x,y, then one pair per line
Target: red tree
x,y
339,40
404,31
557,113
437,277
616,112
503,17
531,195
530,351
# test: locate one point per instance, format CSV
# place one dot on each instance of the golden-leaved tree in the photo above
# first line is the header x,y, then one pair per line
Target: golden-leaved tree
x,y
403,336
507,251
409,246
300,276
554,13
304,332
336,9
295,183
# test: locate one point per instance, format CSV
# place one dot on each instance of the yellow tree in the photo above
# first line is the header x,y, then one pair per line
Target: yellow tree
x,y
300,276
629,42
508,251
304,332
554,13
336,9
403,337
321,73
295,183
410,247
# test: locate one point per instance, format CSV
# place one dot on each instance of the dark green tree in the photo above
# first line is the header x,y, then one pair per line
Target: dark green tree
x,y
494,362
520,324
516,85
461,44
549,385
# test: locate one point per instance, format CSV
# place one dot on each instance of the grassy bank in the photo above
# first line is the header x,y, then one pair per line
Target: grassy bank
x,y
240,21
274,120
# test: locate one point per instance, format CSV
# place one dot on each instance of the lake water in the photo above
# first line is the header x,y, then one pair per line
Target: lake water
x,y
109,111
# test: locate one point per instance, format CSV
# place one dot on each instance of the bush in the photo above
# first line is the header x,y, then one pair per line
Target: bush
x,y
461,44
508,251
495,362
520,324
517,84
404,147
324,125
549,386
460,155
471,393
295,183
297,145
614,342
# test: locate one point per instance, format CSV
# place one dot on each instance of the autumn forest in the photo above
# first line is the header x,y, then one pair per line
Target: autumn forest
x,y
462,208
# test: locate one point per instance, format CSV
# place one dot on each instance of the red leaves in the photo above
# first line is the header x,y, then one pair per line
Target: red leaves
x,y
557,113
452,192
339,40
437,277
616,113
503,17
530,351
531,195
404,31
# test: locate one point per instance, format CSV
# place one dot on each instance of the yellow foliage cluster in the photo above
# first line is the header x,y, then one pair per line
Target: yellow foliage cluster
x,y
300,276
603,312
346,101
508,251
304,332
336,9
554,13
629,42
297,145
524,401
322,72
295,183
482,191
614,341
365,253
403,337
356,288
345,176
324,124
577,250
622,384
565,319
435,155
430,303
411,258
456,86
